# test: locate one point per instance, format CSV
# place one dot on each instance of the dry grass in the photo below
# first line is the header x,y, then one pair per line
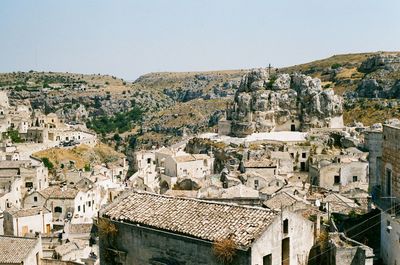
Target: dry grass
x,y
81,155
370,115
107,228
225,250
323,239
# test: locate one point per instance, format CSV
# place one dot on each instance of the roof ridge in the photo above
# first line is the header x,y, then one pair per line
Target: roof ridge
x,y
202,201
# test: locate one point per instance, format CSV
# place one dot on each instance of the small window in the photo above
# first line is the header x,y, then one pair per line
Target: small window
x,y
285,226
79,208
35,199
256,183
90,203
304,155
267,260
337,179
148,160
355,178
58,209
28,184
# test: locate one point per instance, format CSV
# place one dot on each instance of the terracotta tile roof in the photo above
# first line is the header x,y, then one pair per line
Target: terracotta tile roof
x,y
201,156
27,211
80,228
184,158
55,192
192,217
259,163
7,173
283,199
13,250
14,163
69,247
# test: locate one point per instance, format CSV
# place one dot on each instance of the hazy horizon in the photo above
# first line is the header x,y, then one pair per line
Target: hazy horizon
x,y
130,38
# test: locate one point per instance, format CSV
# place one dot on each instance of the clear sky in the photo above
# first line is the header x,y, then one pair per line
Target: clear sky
x,y
130,38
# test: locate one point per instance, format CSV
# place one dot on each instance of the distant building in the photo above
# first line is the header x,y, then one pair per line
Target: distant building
x,y
157,229
27,221
337,172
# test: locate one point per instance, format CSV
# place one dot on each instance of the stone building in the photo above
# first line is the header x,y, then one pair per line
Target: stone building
x,y
165,166
390,233
158,229
345,251
21,222
390,170
19,177
336,172
389,194
373,141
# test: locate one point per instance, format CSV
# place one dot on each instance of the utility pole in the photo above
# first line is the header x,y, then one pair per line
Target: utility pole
x,y
269,69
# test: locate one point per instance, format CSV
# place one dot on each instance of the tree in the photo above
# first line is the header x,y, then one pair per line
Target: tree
x,y
47,163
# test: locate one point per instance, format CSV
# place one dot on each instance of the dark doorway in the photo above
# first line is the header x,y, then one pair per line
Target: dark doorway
x,y
388,182
303,166
286,251
293,127
267,260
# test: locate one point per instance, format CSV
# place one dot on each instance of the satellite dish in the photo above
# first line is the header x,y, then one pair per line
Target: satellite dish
x,y
317,203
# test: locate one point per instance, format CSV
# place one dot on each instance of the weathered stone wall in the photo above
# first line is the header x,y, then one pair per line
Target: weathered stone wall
x,y
373,143
144,246
391,160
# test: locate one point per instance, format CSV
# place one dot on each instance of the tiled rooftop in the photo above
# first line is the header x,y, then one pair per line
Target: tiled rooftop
x,y
13,250
27,211
192,217
265,163
283,199
55,192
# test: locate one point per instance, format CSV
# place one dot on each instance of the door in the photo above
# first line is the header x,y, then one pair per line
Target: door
x,y
48,228
25,230
286,251
293,127
302,166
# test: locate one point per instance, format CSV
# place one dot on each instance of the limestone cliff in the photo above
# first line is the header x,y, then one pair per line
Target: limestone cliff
x,y
281,102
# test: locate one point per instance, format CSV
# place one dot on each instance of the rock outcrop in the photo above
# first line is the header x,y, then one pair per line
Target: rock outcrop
x,y
382,79
281,103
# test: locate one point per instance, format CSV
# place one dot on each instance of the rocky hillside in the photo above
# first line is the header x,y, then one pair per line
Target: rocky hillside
x,y
192,101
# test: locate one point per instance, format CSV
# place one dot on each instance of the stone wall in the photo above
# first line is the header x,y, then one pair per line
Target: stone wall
x,y
373,143
391,161
142,246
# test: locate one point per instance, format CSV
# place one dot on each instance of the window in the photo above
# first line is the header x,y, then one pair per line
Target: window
x,y
57,209
304,155
35,199
28,184
285,226
256,183
79,208
337,179
355,178
90,203
388,182
267,260
148,160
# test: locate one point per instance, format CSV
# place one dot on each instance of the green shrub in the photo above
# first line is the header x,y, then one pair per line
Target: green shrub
x,y
47,163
